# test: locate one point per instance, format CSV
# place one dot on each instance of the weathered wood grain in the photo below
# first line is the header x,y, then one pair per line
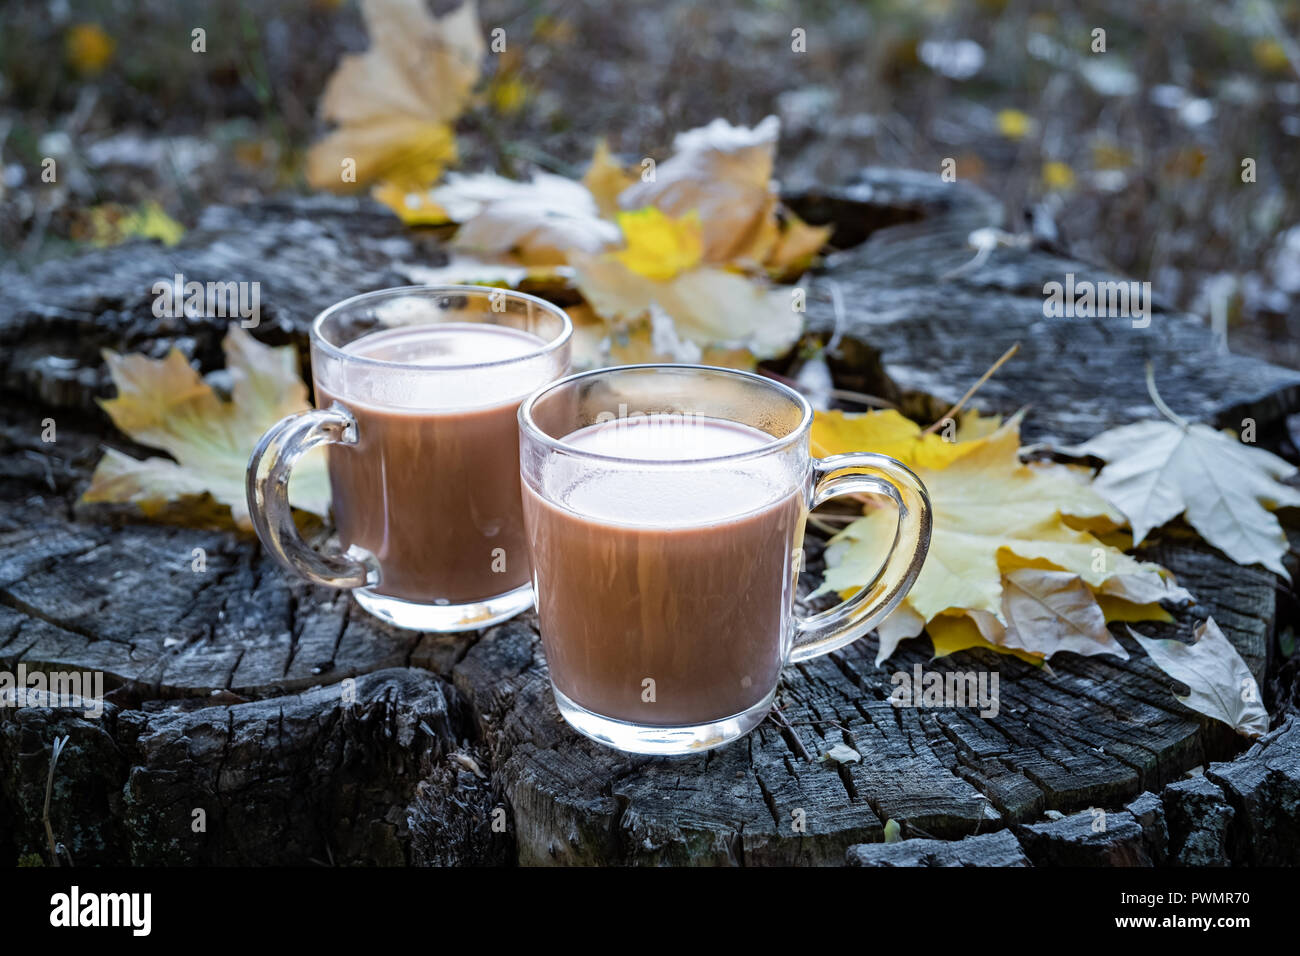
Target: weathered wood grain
x,y
332,775
987,849
937,332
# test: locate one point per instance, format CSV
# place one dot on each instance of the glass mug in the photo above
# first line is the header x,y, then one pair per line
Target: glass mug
x,y
417,394
665,509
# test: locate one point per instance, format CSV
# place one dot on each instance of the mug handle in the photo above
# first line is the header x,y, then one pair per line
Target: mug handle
x,y
267,487
868,473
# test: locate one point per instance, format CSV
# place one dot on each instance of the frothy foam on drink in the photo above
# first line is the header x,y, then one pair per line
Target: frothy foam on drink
x,y
658,496
451,343
445,368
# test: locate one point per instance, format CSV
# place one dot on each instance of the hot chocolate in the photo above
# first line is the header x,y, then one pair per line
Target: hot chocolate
x,y
431,488
665,592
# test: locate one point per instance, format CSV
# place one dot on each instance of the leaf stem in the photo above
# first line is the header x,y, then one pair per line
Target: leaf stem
x,y
1164,409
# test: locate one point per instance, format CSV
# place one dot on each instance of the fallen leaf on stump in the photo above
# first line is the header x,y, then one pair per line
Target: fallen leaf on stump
x,y
704,307
1219,683
1050,611
541,222
888,432
722,173
1225,488
165,404
1007,567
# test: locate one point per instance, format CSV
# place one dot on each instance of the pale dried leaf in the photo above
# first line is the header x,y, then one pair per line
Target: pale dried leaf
x,y
1051,611
1220,685
708,307
902,624
165,404
1158,470
541,222
1146,589
394,103
724,173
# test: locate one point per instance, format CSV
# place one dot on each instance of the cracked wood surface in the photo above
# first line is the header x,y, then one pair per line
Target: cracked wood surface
x,y
937,328
309,731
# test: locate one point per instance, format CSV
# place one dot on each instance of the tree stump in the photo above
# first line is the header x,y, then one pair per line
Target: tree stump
x,y
302,730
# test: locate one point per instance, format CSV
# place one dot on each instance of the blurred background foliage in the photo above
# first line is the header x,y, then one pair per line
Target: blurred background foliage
x,y
1131,159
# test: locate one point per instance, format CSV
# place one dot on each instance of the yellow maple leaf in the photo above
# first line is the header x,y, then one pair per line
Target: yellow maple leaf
x,y
951,633
995,517
660,247
393,105
165,404
888,432
88,48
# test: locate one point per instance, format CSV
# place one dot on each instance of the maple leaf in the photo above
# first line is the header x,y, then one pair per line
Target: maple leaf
x,y
165,404
721,174
888,432
1220,685
1158,470
1143,589
596,343
994,518
1048,611
950,633
393,105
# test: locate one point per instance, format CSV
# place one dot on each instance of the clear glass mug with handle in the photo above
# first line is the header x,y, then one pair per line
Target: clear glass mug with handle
x,y
665,507
417,393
